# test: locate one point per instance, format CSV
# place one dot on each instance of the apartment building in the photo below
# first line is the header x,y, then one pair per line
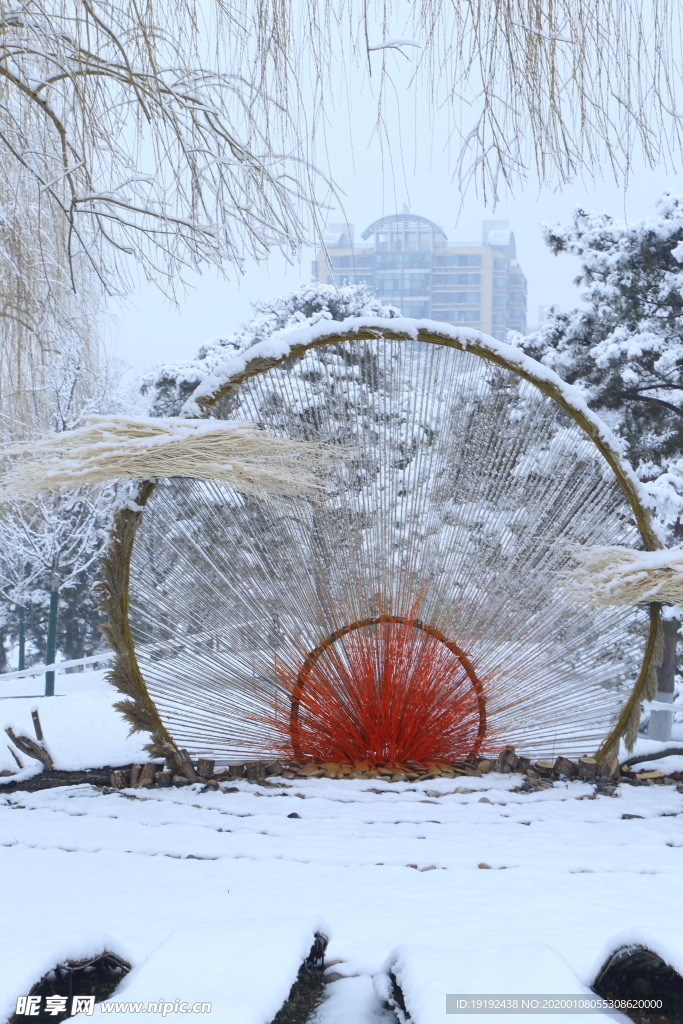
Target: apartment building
x,y
406,261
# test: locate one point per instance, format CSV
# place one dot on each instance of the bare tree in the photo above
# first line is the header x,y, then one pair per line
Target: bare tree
x,y
52,543
49,547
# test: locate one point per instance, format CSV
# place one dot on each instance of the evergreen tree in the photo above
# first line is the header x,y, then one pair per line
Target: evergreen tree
x,y
624,350
169,387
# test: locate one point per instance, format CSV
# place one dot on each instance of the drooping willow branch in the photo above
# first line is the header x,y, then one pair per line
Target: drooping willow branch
x,y
140,138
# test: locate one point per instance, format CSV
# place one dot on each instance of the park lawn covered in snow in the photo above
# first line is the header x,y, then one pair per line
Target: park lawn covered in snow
x,y
462,884
81,727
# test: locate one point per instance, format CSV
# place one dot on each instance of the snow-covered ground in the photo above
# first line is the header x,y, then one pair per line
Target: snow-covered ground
x,y
81,727
461,883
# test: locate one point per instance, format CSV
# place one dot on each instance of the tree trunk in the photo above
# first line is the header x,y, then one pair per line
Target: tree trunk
x,y
4,667
51,650
659,726
22,637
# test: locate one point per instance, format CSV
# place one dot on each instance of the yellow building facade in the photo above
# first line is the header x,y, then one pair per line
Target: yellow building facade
x,y
406,261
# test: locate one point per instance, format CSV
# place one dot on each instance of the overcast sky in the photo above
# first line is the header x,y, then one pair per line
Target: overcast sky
x,y
149,329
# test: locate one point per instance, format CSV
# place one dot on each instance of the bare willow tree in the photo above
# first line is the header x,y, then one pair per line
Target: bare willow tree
x,y
44,323
117,141
141,138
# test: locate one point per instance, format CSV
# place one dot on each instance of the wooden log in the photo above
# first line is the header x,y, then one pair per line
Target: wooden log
x,y
164,779
255,771
507,761
638,758
524,763
29,747
15,756
135,775
588,768
147,774
565,766
183,765
545,768
118,780
273,768
57,777
37,727
205,767
236,771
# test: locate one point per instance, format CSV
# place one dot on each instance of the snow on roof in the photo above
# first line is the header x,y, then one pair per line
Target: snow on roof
x,y
502,239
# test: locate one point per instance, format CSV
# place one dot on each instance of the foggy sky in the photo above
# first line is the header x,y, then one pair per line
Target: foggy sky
x,y
412,170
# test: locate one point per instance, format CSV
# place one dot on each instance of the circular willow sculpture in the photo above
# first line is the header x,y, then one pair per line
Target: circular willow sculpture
x,y
415,610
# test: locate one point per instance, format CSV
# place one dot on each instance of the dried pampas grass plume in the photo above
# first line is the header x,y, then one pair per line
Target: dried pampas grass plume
x,y
106,448
622,576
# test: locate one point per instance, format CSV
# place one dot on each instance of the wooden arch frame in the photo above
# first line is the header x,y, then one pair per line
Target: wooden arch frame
x,y
139,708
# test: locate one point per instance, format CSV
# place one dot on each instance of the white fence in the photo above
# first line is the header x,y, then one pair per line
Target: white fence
x,y
59,666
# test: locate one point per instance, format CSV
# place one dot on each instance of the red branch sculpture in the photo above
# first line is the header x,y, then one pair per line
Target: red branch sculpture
x,y
386,690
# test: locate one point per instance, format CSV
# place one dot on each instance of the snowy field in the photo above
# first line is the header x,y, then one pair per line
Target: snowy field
x,y
82,730
462,884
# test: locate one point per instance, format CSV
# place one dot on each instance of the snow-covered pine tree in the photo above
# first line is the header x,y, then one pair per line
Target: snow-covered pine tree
x,y
624,349
173,383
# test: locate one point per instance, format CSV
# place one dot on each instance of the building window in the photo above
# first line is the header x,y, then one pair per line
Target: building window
x,y
388,283
458,316
458,298
416,309
518,297
498,319
409,284
469,259
500,282
499,264
398,260
366,279
499,301
446,279
416,284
